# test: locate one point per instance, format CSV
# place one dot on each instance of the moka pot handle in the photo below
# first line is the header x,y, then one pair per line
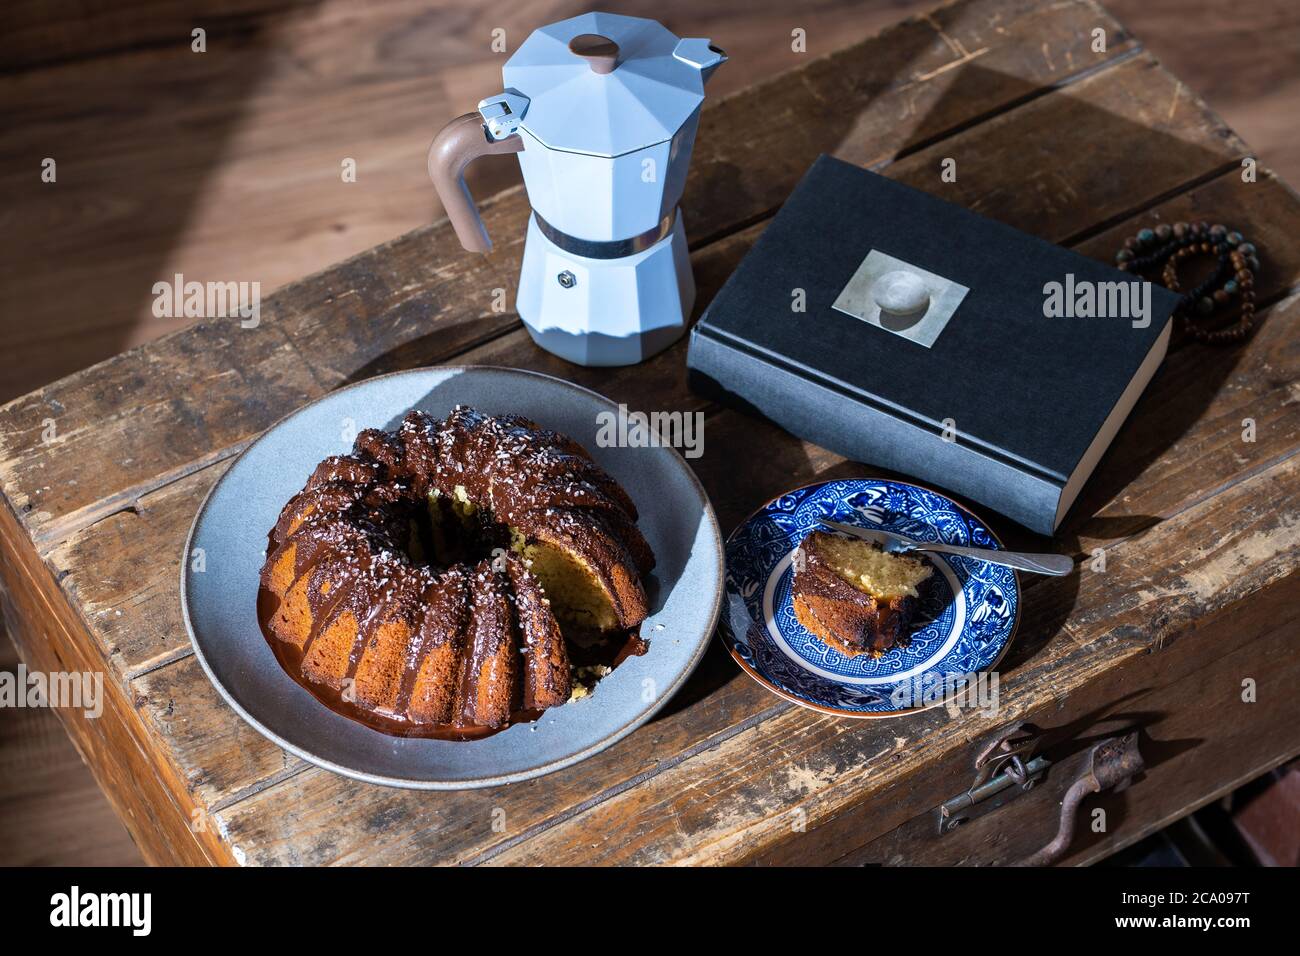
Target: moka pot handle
x,y
458,144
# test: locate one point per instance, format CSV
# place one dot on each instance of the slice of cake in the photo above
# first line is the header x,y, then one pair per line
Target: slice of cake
x,y
854,596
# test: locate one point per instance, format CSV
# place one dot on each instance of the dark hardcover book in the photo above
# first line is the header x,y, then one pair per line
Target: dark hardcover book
x,y
1000,367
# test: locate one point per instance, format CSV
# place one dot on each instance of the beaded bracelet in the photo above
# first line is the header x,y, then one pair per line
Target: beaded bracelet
x,y
1235,275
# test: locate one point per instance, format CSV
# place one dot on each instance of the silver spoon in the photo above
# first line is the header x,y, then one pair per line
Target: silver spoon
x,y
1056,564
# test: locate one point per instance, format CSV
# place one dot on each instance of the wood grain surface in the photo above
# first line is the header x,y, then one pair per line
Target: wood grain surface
x,y
1198,527
225,165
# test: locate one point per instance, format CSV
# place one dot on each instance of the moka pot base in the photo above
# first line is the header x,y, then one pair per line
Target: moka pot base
x,y
605,311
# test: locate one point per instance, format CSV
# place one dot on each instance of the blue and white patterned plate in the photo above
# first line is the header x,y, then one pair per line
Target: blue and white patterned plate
x,y
968,611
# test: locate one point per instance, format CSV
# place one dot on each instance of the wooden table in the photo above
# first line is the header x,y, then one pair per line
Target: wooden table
x,y
1195,609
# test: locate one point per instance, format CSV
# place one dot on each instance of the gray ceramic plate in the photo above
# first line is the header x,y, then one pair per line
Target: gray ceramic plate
x,y
219,603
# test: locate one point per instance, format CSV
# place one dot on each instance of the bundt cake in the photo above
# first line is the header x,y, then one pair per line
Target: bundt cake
x,y
420,583
854,596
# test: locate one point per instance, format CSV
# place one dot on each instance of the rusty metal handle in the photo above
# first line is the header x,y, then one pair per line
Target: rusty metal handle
x,y
458,144
1111,765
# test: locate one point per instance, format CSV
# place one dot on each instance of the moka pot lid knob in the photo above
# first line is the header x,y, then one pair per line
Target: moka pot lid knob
x,y
601,53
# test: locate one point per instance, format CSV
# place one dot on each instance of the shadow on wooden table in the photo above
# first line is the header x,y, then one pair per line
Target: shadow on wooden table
x,y
130,147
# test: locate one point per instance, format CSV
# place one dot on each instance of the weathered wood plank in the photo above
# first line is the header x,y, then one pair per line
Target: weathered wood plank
x,y
928,74
153,411
166,825
1206,451
421,296
174,703
326,818
1050,164
121,575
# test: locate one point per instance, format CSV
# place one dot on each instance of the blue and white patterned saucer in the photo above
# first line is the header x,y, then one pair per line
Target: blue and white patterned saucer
x,y
968,611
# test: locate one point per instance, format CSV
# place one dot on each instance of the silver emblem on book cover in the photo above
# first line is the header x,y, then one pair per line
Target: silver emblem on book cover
x,y
901,298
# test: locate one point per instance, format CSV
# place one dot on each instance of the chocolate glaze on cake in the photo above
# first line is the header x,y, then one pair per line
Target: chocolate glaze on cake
x,y
397,586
